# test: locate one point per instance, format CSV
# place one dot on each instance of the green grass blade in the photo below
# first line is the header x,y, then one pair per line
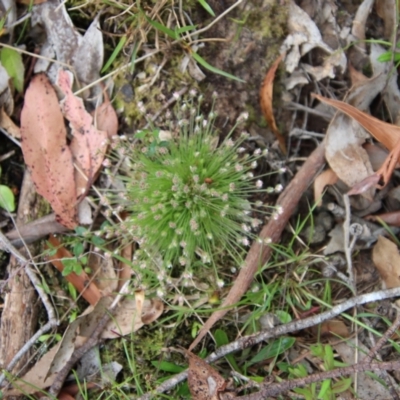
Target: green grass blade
x,y
205,64
207,7
115,53
155,24
133,58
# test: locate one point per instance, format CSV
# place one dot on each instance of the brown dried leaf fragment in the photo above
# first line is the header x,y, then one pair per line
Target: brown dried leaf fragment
x,y
386,258
89,144
82,282
45,149
204,382
325,178
387,134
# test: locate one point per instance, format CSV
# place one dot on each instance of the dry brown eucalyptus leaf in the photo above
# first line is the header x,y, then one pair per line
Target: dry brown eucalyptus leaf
x,y
45,149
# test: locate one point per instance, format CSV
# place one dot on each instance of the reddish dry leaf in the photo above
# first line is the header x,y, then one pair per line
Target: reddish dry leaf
x,y
89,144
204,382
386,258
45,149
387,134
81,282
334,328
266,94
325,178
106,117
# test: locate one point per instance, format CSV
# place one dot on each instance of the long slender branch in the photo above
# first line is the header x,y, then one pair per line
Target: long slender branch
x,y
280,330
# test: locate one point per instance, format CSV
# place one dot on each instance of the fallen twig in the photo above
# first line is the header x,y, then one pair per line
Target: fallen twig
x,y
259,253
248,341
92,341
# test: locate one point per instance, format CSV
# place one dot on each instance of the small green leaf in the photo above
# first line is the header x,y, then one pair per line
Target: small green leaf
x,y
324,388
168,367
140,134
283,316
342,385
207,7
272,350
71,265
222,339
97,241
80,230
12,62
7,200
205,64
78,249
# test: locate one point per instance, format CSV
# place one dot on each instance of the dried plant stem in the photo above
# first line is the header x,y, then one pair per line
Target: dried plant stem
x,y
259,253
347,245
251,340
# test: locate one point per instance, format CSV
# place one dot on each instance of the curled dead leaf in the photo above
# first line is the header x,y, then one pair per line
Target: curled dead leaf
x,y
325,178
385,133
266,93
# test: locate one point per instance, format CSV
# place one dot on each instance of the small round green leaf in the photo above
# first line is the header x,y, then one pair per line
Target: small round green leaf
x,y
7,200
12,62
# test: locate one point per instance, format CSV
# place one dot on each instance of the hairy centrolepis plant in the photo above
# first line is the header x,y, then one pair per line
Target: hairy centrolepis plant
x,y
187,196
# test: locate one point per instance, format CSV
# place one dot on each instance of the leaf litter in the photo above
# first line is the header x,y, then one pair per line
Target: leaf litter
x,y
65,162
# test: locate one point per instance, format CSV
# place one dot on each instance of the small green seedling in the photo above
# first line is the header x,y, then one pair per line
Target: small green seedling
x,y
327,389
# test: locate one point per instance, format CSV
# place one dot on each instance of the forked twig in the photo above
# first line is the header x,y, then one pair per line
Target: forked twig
x,y
92,341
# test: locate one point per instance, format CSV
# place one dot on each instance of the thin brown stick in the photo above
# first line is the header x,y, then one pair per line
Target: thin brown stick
x,y
277,388
297,325
383,339
260,253
92,341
